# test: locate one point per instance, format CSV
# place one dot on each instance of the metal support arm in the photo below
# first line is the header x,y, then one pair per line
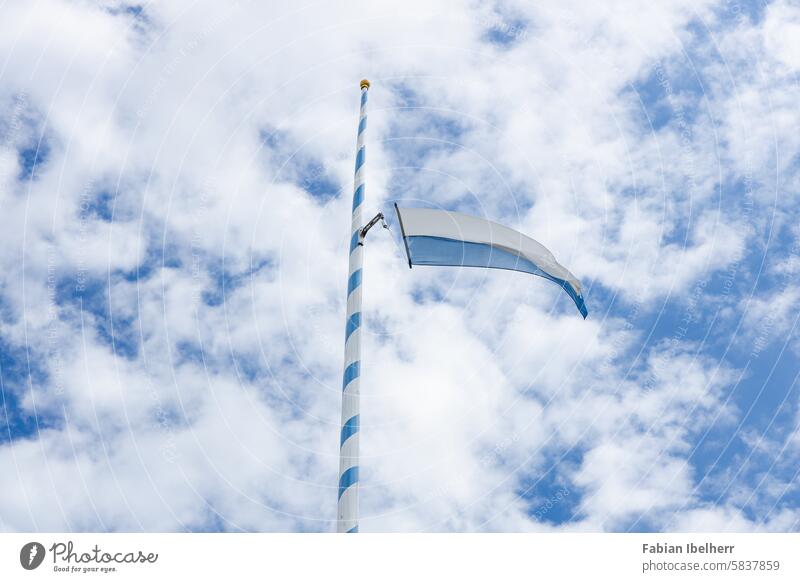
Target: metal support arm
x,y
378,218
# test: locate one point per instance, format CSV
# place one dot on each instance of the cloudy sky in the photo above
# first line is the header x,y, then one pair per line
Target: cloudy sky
x,y
175,182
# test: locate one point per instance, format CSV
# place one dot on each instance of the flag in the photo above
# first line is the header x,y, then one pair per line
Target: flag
x,y
440,237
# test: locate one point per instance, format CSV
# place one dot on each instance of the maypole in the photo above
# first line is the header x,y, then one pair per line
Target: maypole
x,y
347,514
431,237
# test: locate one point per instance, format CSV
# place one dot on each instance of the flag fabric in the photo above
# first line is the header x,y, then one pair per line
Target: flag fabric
x,y
440,237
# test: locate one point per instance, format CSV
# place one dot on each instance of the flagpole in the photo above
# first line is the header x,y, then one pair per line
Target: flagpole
x,y
347,511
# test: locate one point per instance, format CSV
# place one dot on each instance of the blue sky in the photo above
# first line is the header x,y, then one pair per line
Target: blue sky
x,y
176,186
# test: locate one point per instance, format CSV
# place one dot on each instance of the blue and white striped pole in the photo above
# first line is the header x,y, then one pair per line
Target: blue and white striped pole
x,y
347,513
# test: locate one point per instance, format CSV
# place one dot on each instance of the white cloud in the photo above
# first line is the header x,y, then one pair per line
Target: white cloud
x,y
227,414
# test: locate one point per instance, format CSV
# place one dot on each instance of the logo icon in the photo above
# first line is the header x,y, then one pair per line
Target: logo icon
x,y
31,555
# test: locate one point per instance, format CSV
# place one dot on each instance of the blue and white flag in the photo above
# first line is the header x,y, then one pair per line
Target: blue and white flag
x,y
439,237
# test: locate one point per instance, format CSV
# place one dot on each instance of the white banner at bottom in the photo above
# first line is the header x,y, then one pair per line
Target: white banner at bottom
x,y
387,557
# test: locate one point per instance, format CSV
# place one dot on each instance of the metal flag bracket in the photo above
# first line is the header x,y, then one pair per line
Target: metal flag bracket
x,y
377,218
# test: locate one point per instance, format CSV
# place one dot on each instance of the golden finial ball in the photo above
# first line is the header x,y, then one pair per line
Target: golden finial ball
x,y
364,84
